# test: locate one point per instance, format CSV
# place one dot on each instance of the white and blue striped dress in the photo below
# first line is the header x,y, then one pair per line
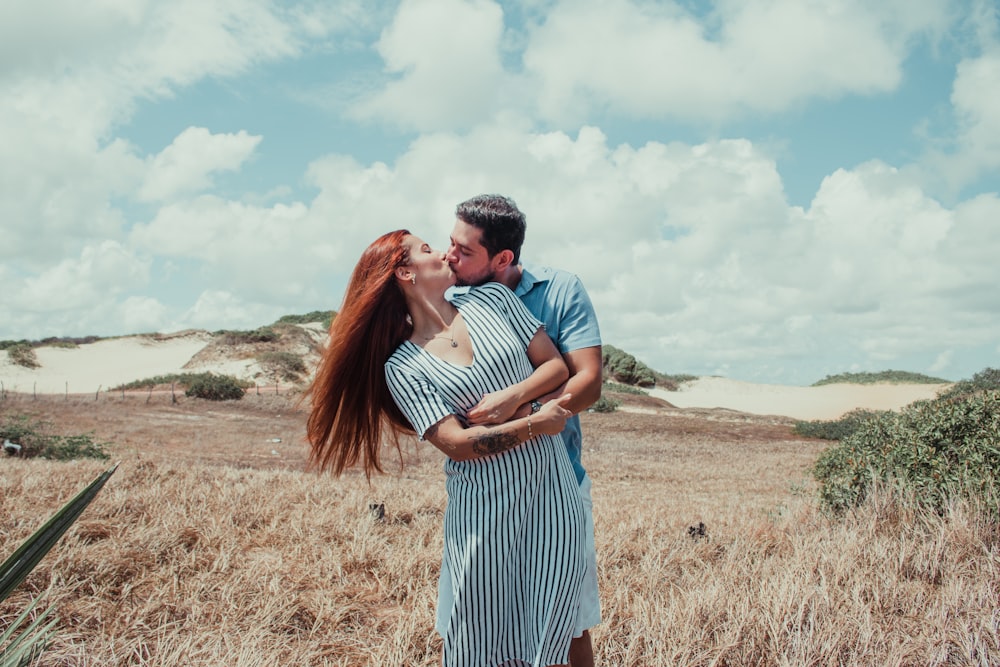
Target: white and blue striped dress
x,y
513,527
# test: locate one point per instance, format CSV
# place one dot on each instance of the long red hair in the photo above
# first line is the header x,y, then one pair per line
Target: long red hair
x,y
351,403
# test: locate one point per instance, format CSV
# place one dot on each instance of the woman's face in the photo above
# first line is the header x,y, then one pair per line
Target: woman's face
x,y
430,266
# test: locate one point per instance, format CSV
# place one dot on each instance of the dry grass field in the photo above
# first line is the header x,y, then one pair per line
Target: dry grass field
x,y
212,545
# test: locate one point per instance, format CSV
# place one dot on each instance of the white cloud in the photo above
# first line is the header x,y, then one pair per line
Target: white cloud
x,y
656,60
75,296
186,165
219,306
101,270
444,62
976,98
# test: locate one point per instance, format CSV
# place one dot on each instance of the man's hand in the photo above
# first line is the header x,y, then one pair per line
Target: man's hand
x,y
551,419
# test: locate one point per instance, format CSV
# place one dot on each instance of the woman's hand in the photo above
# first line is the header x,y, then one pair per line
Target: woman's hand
x,y
494,408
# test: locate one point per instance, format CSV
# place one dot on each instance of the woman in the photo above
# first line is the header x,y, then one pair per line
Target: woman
x,y
402,358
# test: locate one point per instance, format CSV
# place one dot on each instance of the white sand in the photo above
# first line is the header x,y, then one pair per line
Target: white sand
x,y
103,364
112,362
807,403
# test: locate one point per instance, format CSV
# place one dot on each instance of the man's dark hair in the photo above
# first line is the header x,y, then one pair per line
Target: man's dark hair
x,y
502,224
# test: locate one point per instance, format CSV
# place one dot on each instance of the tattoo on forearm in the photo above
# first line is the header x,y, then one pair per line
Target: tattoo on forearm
x,y
494,443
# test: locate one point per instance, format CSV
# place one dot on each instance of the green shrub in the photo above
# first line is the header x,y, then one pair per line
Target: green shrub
x,y
605,404
35,442
836,429
623,389
215,387
324,316
23,354
623,367
286,365
932,450
672,382
986,379
890,376
259,335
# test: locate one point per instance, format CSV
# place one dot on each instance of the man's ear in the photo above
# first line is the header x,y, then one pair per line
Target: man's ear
x,y
503,259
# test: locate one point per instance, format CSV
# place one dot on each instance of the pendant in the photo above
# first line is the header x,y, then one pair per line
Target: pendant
x,y
454,344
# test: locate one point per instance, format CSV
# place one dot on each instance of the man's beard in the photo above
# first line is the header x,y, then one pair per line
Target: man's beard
x,y
476,281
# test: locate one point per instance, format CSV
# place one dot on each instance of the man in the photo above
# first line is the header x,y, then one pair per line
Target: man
x,y
486,247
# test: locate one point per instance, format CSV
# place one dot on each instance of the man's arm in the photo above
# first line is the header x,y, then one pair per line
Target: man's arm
x,y
586,375
551,373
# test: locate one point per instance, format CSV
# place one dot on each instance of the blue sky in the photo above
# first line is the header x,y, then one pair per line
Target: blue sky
x,y
768,190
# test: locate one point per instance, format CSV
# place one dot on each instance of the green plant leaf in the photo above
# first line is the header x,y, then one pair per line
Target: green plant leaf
x,y
21,562
30,642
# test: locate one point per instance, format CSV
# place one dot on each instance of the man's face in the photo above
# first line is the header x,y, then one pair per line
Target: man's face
x,y
467,256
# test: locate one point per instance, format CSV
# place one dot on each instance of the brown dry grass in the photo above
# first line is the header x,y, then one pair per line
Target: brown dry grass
x,y
212,545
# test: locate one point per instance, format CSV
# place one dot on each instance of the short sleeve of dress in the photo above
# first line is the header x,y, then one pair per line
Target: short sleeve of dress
x,y
415,396
524,324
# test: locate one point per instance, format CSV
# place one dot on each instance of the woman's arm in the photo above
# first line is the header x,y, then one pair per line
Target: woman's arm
x,y
463,443
550,374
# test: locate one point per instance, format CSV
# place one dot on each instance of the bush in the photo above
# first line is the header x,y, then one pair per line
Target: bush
x,y
36,443
986,379
605,404
890,376
260,335
286,365
23,354
623,367
624,389
215,387
836,429
932,450
324,316
672,382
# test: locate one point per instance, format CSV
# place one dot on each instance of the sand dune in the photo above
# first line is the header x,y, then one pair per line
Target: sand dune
x,y
103,364
112,362
807,403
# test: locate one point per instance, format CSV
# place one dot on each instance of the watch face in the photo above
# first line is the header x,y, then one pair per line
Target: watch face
x,y
535,406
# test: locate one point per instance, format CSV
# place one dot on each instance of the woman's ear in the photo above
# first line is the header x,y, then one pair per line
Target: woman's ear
x,y
404,274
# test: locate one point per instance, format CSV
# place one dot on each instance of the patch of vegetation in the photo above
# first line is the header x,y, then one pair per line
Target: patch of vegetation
x,y
890,376
605,404
156,381
623,389
324,316
36,441
987,379
62,341
259,335
933,451
622,367
286,365
23,354
184,380
673,382
216,387
836,429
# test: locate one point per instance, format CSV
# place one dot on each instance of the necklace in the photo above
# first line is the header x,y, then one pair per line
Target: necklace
x,y
451,338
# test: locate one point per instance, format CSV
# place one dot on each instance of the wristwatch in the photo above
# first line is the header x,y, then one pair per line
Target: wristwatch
x,y
535,406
